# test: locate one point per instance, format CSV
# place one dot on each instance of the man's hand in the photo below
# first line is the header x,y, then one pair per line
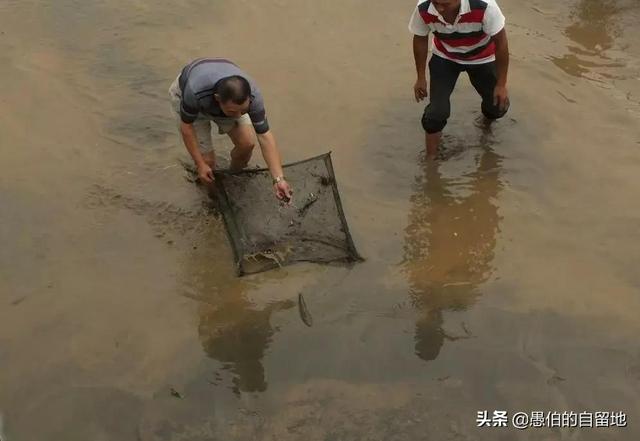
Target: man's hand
x,y
420,55
283,191
205,173
501,98
420,89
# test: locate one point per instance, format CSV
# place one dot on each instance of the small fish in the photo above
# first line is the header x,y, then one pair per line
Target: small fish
x,y
311,199
305,315
175,393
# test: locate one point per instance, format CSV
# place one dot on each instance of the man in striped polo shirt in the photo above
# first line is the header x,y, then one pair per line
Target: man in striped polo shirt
x,y
468,35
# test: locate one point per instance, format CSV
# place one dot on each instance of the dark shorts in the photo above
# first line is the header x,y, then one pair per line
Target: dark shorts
x,y
443,75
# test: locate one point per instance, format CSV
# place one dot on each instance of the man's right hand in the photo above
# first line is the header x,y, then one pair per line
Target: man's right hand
x,y
205,173
283,191
420,89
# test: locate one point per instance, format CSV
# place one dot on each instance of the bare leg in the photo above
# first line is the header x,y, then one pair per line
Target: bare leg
x,y
243,141
210,158
432,141
205,144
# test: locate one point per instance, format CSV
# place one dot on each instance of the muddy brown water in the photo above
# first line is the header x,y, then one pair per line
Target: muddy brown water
x,y
503,278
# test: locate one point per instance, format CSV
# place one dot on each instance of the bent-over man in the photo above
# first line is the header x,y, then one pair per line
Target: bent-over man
x,y
216,90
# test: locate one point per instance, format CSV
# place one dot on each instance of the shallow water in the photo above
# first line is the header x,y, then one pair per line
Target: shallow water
x,y
503,278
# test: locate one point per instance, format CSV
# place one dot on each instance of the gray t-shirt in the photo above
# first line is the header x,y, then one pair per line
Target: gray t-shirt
x,y
198,82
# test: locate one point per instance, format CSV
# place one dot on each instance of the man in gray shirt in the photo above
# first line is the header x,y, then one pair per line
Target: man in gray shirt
x,y
214,89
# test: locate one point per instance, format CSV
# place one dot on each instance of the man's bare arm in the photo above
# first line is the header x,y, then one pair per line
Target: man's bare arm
x,y
191,143
502,57
500,94
270,153
420,54
271,156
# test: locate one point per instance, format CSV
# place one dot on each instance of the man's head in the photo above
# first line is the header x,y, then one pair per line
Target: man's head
x,y
233,94
446,6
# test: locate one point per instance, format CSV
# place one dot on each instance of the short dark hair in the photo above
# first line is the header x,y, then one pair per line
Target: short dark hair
x,y
234,88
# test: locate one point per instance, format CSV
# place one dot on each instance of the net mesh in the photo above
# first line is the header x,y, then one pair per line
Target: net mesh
x,y
265,234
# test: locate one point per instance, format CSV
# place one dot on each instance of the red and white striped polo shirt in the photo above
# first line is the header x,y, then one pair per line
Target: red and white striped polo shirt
x,y
468,39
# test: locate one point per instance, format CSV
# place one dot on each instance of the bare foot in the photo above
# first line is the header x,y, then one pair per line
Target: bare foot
x,y
432,141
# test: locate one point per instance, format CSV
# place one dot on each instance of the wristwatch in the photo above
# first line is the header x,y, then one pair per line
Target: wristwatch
x,y
278,179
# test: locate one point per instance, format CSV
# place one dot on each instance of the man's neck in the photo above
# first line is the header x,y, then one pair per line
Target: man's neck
x,y
451,17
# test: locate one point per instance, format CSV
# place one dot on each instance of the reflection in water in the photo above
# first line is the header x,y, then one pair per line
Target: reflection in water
x,y
232,329
235,333
449,244
594,30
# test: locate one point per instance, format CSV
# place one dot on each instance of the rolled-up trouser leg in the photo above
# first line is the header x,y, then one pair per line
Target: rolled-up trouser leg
x,y
483,78
443,75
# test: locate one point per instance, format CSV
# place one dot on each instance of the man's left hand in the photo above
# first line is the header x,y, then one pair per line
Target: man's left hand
x,y
501,98
283,191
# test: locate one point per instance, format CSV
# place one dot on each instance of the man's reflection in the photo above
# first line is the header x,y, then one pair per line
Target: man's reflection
x,y
449,244
237,334
232,329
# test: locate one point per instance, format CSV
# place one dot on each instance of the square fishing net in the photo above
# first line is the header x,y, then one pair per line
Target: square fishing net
x,y
266,234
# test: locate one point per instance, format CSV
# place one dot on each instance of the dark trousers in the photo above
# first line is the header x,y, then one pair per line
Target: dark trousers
x,y
443,77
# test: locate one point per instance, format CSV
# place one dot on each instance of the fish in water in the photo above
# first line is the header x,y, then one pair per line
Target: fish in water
x,y
305,315
175,393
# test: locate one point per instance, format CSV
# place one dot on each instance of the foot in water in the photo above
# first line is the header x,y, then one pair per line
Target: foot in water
x,y
483,123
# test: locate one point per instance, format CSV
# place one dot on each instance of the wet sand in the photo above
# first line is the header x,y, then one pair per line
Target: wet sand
x,y
502,278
